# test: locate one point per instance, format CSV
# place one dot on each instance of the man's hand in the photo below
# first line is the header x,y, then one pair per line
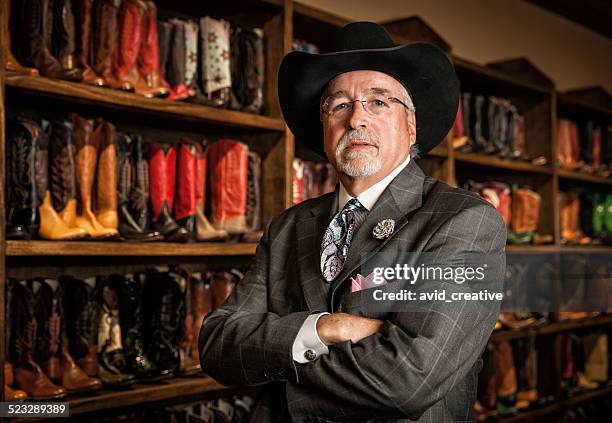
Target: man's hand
x,y
340,327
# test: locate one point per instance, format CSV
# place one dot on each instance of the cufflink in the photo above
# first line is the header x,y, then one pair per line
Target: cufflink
x,y
310,355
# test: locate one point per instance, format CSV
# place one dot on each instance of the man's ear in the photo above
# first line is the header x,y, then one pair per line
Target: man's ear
x,y
411,128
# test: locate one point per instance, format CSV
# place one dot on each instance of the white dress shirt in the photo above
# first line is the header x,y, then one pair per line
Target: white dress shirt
x,y
307,342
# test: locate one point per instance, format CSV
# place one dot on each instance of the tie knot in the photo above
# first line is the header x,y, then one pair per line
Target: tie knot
x,y
354,204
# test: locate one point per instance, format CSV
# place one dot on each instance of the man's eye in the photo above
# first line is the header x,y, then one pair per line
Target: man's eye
x,y
340,106
380,103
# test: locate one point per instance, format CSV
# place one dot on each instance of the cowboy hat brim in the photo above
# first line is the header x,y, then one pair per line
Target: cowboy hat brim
x,y
421,67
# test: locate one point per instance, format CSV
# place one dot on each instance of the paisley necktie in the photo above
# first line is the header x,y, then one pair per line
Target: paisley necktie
x,y
338,237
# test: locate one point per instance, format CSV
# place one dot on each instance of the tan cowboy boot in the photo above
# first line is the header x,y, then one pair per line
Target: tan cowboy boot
x,y
10,63
85,161
106,190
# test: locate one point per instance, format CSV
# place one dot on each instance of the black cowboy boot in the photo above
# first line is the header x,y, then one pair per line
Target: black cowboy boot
x,y
133,190
111,358
21,202
47,299
28,375
129,293
164,311
82,306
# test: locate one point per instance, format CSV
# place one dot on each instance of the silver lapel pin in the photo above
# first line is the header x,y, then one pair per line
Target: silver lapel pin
x,y
383,229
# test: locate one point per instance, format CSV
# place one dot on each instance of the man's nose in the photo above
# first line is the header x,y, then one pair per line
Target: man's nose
x,y
357,117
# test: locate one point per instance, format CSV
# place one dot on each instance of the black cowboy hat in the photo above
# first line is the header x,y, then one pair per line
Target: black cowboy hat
x,y
422,67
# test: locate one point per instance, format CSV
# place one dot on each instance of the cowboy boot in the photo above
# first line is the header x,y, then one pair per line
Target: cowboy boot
x,y
28,375
21,164
248,69
10,63
162,171
47,299
111,359
215,85
85,161
105,38
503,364
205,231
221,286
148,56
201,305
163,314
10,394
135,43
63,36
133,191
82,308
63,173
176,69
185,199
106,181
83,12
36,20
228,169
129,292
253,209
188,365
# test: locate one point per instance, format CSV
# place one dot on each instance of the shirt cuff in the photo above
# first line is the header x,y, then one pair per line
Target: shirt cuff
x,y
307,345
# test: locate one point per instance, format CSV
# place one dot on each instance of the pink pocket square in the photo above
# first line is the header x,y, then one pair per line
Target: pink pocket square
x,y
359,283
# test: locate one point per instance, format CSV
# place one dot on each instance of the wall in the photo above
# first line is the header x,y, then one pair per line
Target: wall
x,y
488,30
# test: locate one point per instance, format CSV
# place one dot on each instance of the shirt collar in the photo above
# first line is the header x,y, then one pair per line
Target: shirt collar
x,y
369,197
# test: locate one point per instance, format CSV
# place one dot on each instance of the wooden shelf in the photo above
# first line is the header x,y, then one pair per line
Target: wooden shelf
x,y
496,76
573,104
92,248
538,414
124,100
562,326
586,177
499,163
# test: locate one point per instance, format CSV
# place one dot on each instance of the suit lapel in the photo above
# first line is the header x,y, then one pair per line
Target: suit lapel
x,y
402,196
311,226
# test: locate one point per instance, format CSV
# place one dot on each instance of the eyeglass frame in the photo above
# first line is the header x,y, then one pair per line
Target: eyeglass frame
x,y
394,99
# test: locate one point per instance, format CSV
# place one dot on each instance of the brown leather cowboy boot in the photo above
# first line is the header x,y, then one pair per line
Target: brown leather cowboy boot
x,y
28,374
36,17
11,394
10,63
106,182
9,377
83,12
105,43
86,159
188,365
63,34
48,295
201,304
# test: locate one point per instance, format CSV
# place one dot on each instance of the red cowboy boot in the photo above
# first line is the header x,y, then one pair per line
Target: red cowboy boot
x,y
162,172
228,162
185,199
205,230
148,56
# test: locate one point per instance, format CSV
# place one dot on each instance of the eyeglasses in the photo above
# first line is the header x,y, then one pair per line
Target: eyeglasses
x,y
375,104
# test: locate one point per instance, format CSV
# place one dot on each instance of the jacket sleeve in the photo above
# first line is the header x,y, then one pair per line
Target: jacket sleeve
x,y
242,343
421,355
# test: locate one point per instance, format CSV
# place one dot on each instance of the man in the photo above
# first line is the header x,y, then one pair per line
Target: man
x,y
299,322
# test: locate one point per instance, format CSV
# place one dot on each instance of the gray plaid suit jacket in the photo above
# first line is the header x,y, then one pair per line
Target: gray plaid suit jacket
x,y
423,367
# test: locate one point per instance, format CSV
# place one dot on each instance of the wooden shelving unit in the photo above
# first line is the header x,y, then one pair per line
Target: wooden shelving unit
x,y
127,249
282,21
